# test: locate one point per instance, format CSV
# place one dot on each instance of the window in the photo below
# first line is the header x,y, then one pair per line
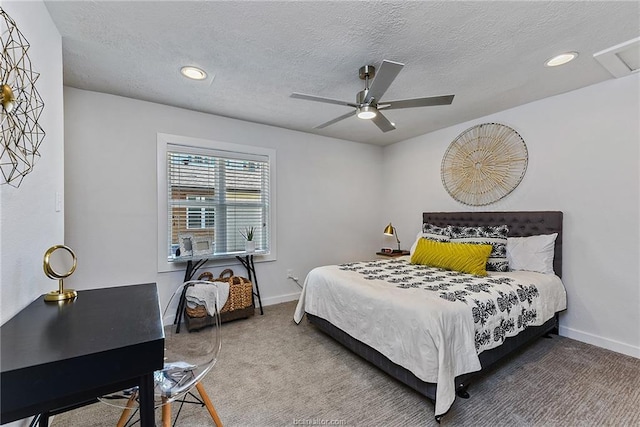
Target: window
x,y
199,216
211,190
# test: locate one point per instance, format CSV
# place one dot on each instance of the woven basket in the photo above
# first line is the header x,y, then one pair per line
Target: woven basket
x,y
197,311
240,293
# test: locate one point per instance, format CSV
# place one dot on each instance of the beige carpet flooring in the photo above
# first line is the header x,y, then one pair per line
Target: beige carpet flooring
x,y
273,372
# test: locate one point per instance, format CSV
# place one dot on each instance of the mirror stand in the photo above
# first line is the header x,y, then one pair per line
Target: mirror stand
x,y
61,294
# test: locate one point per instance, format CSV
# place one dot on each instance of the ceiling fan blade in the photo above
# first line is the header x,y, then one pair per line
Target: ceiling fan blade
x,y
385,75
337,119
417,102
383,123
321,99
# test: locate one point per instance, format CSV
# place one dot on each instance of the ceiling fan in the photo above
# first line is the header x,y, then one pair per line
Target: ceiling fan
x,y
368,104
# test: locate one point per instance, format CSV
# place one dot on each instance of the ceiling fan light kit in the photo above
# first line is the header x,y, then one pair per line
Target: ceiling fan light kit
x,y
368,103
367,112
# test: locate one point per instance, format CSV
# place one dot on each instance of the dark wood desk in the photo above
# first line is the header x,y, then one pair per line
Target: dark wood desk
x,y
56,356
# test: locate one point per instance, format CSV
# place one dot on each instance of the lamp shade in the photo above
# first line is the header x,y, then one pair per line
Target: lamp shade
x,y
388,230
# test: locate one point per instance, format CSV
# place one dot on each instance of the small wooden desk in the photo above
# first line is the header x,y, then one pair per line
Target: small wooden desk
x,y
56,356
245,259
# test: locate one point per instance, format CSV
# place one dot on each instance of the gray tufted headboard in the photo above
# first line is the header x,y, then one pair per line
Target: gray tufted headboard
x,y
521,224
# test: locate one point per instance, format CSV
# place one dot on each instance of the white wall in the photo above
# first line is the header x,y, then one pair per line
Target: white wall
x,y
328,193
584,161
29,224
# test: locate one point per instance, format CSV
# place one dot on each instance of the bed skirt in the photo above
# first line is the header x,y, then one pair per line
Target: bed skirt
x,y
487,358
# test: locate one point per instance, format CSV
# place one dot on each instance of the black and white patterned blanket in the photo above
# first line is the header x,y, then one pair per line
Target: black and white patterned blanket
x,y
432,322
501,306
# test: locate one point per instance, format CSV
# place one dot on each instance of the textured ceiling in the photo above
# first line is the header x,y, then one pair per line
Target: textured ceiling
x,y
489,54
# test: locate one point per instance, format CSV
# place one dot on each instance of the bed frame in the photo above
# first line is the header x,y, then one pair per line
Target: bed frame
x,y
521,224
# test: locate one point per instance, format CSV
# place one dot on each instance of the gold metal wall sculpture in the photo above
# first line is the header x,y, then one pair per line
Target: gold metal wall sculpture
x,y
484,164
20,105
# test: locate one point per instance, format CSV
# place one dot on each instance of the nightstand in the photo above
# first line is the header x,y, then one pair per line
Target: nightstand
x,y
392,254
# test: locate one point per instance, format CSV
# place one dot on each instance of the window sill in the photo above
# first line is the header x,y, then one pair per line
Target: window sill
x,y
222,260
213,257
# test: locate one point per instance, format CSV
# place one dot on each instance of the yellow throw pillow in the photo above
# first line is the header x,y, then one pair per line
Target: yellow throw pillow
x,y
464,257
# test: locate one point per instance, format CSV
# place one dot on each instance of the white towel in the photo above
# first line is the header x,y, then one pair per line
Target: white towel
x,y
205,294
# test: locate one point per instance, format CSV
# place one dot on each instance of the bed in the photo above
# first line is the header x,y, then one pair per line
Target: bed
x,y
434,329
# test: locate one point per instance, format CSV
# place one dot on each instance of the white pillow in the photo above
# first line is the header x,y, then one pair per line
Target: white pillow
x,y
533,253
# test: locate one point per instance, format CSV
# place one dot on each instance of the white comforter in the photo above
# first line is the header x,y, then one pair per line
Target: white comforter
x,y
423,318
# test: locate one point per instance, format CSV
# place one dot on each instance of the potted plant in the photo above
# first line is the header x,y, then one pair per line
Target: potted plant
x,y
247,234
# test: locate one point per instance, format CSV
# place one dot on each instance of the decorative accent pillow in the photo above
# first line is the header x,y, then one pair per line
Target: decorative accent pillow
x,y
533,253
467,258
496,236
431,232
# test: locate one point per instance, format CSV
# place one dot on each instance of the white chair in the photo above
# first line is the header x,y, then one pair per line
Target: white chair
x,y
188,357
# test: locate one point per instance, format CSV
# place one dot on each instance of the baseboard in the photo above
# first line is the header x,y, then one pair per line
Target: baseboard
x,y
280,298
609,344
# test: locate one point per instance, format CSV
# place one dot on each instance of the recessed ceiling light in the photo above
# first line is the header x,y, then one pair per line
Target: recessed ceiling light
x,y
561,59
193,73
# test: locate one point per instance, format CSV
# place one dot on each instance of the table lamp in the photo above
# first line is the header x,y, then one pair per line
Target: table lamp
x,y
390,230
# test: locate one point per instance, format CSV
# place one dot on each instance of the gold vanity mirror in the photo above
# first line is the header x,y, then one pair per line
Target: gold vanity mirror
x,y
59,263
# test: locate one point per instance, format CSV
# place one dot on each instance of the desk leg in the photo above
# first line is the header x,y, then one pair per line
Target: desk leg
x,y
192,268
147,416
41,419
255,281
247,262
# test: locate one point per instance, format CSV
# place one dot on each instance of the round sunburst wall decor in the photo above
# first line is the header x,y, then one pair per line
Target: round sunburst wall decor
x,y
484,164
